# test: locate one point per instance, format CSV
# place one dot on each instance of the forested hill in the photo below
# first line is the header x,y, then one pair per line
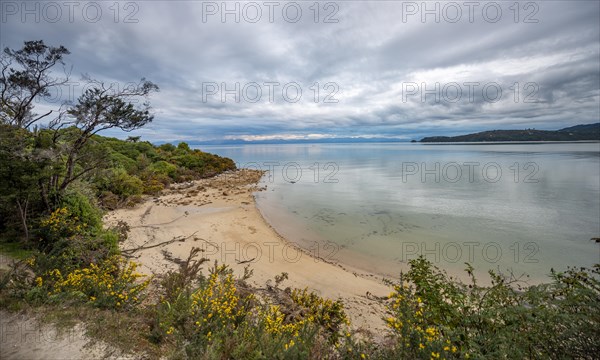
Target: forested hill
x,y
574,133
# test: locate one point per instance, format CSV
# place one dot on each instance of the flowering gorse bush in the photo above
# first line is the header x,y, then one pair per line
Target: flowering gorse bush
x,y
221,316
217,305
113,283
61,224
327,313
415,336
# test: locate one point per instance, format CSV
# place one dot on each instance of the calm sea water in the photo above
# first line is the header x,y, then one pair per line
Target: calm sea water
x,y
523,208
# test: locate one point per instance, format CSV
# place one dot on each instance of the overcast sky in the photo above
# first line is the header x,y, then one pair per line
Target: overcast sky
x,y
382,68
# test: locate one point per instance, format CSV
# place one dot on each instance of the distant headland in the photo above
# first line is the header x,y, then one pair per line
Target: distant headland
x,y
574,133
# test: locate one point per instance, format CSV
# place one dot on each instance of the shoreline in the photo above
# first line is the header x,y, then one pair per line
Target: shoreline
x,y
220,215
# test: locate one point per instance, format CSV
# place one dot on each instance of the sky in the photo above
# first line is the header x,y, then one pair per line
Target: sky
x,y
271,70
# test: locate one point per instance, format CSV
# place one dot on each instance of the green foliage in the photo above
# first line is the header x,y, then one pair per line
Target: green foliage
x,y
73,235
156,167
25,76
20,172
82,208
109,283
326,313
164,168
184,147
121,161
14,250
218,316
167,148
436,317
120,183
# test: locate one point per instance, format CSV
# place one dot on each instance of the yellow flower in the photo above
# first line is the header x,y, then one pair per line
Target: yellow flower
x,y
362,356
38,281
421,346
435,355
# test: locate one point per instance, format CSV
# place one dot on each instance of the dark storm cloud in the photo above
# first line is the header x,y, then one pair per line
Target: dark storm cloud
x,y
377,61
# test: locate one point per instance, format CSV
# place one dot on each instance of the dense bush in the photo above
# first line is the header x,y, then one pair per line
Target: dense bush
x,y
163,168
141,168
218,316
82,208
109,283
433,316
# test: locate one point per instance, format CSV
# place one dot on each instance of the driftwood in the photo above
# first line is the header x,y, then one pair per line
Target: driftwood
x,y
370,296
177,239
156,226
244,261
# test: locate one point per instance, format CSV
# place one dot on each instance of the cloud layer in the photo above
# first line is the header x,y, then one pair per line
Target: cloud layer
x,y
296,70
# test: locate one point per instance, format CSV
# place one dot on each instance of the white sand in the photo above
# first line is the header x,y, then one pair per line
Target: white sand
x,y
219,216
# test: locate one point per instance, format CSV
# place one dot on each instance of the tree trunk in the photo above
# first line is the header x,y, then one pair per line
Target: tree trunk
x,y
70,168
44,194
23,216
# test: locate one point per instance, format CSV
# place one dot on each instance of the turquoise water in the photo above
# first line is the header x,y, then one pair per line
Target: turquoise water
x,y
523,208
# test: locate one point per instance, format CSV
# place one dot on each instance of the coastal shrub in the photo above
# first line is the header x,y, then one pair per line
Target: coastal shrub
x,y
326,313
81,208
167,147
109,201
72,236
111,283
198,312
163,168
67,254
153,187
124,185
60,224
202,163
219,316
120,160
183,147
433,316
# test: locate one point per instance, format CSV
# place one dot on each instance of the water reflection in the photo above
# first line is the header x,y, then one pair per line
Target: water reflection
x,y
528,207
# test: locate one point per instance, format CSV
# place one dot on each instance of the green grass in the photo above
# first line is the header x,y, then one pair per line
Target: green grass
x,y
14,250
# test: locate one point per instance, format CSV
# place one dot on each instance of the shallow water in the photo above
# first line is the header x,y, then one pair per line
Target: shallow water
x,y
524,208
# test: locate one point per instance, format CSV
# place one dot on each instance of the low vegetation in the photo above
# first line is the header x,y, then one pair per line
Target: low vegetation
x,y
57,181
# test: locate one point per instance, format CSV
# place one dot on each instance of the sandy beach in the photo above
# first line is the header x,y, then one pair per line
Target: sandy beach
x,y
219,215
